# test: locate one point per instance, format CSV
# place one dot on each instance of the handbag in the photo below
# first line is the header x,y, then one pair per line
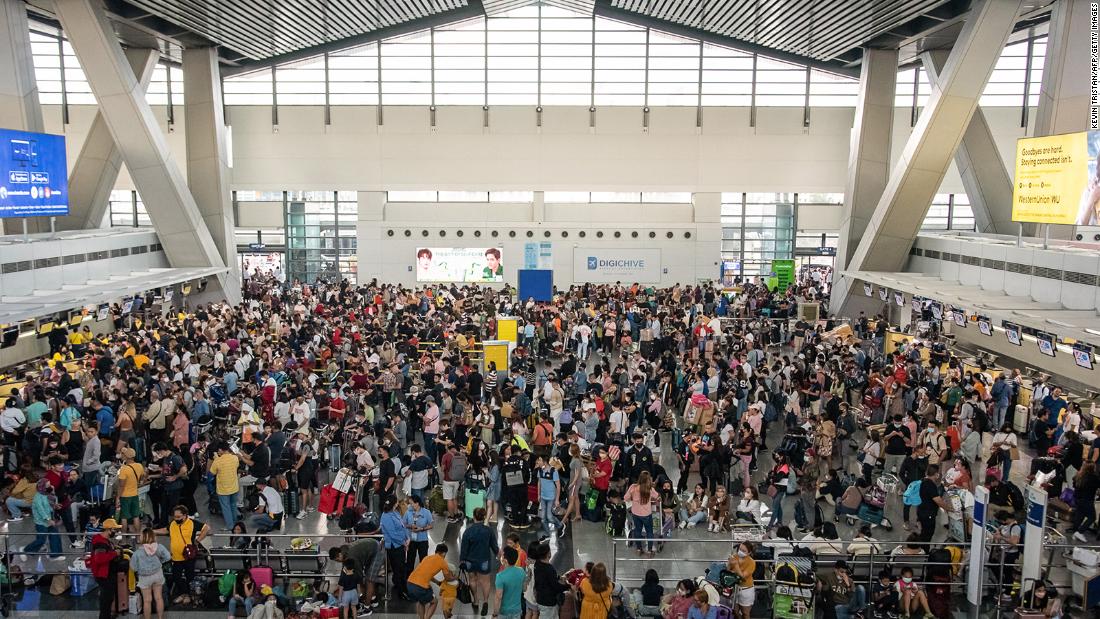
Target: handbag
x,y
1014,453
464,594
190,552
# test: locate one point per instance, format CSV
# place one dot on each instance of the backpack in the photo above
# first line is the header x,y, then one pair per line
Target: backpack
x,y
458,467
911,496
786,572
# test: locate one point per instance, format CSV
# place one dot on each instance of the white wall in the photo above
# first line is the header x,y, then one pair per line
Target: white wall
x,y
684,259
355,153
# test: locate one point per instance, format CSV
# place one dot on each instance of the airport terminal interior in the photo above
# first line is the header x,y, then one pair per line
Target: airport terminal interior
x,y
689,309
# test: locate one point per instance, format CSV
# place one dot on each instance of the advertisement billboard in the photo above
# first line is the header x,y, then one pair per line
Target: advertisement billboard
x,y
35,177
459,264
607,266
1056,179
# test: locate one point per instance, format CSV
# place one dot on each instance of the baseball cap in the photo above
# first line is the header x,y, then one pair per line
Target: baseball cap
x,y
111,523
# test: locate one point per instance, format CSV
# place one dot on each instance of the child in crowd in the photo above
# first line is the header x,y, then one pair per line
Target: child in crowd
x,y
448,593
884,595
616,514
911,594
347,590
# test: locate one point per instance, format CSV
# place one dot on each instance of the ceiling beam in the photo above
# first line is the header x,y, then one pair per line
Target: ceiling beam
x,y
472,9
604,8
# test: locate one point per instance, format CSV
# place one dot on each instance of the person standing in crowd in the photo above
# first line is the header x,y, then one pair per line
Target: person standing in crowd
x,y
146,562
224,468
476,556
395,537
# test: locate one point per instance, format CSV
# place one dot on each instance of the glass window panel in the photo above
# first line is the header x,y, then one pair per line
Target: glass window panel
x,y
512,196
464,196
566,196
411,196
616,196
677,197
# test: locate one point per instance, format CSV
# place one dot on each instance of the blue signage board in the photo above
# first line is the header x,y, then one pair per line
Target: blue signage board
x,y
1036,512
34,181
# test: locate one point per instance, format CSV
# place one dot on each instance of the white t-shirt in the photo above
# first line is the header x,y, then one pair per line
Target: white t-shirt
x,y
272,499
617,422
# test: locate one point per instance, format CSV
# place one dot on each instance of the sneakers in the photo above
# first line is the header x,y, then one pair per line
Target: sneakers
x,y
77,544
484,609
1081,538
683,524
301,515
15,519
692,525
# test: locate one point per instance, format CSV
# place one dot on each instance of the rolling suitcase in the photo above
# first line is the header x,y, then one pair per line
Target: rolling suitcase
x,y
262,575
474,500
290,501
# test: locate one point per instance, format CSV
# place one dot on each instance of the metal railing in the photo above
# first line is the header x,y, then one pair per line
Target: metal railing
x,y
629,570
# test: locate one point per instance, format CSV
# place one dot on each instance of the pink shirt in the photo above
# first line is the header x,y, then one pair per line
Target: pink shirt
x,y
638,506
431,419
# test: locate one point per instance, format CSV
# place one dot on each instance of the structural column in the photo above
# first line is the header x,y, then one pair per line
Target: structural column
x,y
368,230
19,106
1064,96
980,165
869,151
707,214
927,154
179,224
96,169
207,155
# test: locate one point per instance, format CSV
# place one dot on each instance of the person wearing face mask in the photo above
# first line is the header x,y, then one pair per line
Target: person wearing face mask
x,y
185,534
1042,600
912,595
935,443
147,562
678,603
269,609
742,563
749,508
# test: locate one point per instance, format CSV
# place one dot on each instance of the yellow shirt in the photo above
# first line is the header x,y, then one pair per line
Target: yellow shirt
x,y
140,361
128,478
180,535
426,571
76,338
224,468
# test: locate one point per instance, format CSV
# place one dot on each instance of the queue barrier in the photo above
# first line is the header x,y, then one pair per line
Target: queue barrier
x,y
629,570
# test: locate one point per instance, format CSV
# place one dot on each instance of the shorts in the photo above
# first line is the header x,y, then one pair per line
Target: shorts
x,y
478,568
146,581
420,594
129,507
306,478
450,490
746,596
377,565
349,598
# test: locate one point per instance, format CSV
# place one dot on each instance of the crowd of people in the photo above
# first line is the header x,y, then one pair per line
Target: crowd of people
x,y
249,412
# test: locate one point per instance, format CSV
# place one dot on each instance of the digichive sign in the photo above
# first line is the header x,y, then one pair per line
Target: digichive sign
x,y
1056,179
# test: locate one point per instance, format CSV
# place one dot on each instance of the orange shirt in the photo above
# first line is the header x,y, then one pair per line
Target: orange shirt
x,y
424,573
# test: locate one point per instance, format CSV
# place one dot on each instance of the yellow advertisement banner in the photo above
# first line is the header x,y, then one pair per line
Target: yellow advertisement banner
x,y
1055,180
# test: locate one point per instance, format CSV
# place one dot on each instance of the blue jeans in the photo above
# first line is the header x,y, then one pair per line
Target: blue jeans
x,y
643,530
858,603
16,505
546,514
429,446
694,519
777,507
235,601
228,503
265,523
45,534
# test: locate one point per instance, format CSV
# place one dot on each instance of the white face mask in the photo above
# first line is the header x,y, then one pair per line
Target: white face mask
x,y
742,554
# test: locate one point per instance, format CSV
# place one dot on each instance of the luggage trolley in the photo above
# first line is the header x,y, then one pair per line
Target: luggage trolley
x,y
873,509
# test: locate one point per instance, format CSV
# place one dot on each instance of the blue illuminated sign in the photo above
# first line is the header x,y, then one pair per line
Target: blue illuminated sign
x,y
34,178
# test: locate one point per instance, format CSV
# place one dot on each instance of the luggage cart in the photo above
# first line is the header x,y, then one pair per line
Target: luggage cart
x,y
873,509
